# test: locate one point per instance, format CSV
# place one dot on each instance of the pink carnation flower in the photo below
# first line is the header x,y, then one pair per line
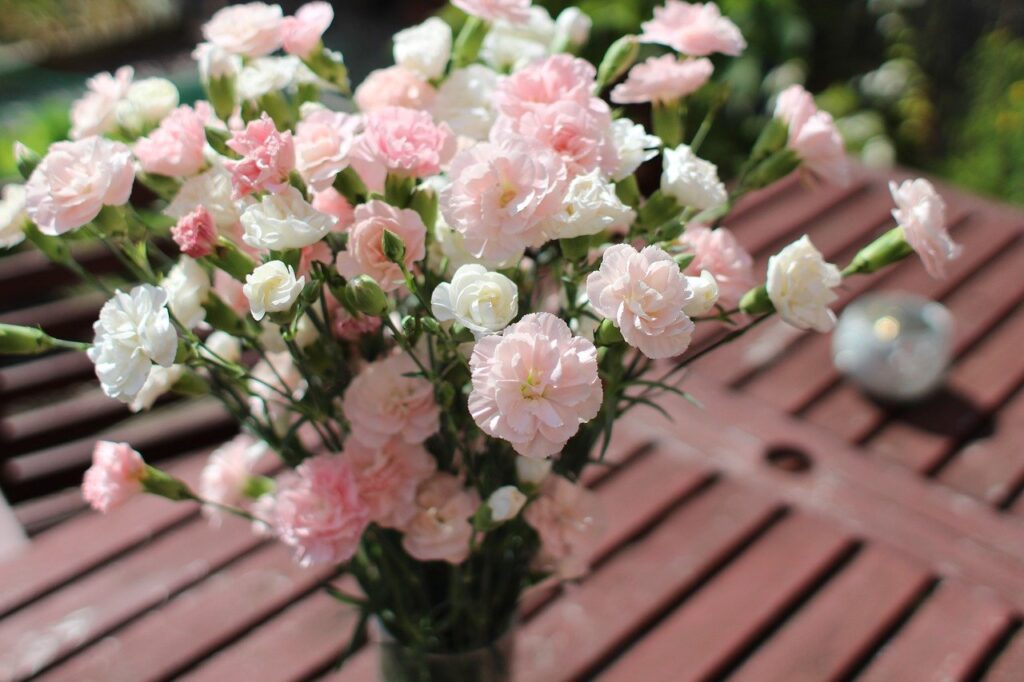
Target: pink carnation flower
x,y
95,113
268,156
388,478
643,293
662,79
346,326
718,252
534,384
196,233
75,180
302,33
333,203
502,194
394,87
231,291
176,147
227,473
249,30
813,135
381,404
318,511
558,78
922,214
364,254
580,135
439,529
693,29
407,142
115,475
323,141
570,522
511,11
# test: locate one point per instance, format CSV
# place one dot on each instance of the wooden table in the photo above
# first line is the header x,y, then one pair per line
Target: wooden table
x,y
794,530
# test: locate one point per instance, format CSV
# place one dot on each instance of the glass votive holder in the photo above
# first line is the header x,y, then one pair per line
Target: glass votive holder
x,y
894,346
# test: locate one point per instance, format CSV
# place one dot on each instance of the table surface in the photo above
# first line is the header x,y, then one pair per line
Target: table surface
x,y
792,530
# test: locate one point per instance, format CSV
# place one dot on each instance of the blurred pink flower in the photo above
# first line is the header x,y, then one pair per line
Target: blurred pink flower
x,y
697,29
323,140
662,79
439,529
230,290
75,180
718,252
534,384
333,203
301,33
346,326
115,475
381,404
813,135
364,254
268,156
394,87
501,195
558,78
227,473
95,112
511,11
570,522
249,30
643,293
176,147
388,478
318,512
407,142
922,213
195,234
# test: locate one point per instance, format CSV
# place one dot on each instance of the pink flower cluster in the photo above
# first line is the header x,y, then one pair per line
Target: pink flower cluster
x,y
268,156
570,522
323,140
662,79
394,87
813,135
115,475
382,404
718,252
176,147
195,234
511,11
407,142
696,29
95,112
301,34
922,214
364,254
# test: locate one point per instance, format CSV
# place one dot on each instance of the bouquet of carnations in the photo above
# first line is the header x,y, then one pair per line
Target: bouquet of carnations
x,y
434,298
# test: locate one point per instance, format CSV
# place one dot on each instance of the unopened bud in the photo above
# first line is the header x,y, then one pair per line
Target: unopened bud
x,y
366,296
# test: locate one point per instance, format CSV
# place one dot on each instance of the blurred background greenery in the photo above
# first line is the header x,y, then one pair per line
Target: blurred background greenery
x,y
934,84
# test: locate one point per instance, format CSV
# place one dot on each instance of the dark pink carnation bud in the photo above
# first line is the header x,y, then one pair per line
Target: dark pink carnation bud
x,y
195,234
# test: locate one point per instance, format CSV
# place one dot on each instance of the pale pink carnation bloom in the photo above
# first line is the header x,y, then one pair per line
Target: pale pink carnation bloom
x,y
694,29
249,30
333,203
231,291
813,135
580,135
115,475
643,293
381,404
176,147
570,522
718,252
388,478
318,511
227,473
394,86
346,326
323,140
922,214
534,384
407,142
320,252
364,254
502,194
558,78
95,112
302,33
195,234
75,180
511,11
268,156
662,79
440,528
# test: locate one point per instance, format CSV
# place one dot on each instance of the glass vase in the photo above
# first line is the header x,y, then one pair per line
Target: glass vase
x,y
492,663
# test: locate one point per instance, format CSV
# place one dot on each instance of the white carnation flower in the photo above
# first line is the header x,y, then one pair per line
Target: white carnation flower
x,y
800,284
425,48
214,62
133,331
464,101
147,102
508,47
634,146
13,217
284,221
505,503
572,28
590,206
268,74
691,180
482,301
212,190
159,381
705,294
223,346
271,288
187,286
532,471
273,342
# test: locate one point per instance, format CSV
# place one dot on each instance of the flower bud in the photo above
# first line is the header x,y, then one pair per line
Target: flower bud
x,y
17,340
887,249
607,334
157,482
505,503
366,296
25,159
532,471
756,301
617,60
393,247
